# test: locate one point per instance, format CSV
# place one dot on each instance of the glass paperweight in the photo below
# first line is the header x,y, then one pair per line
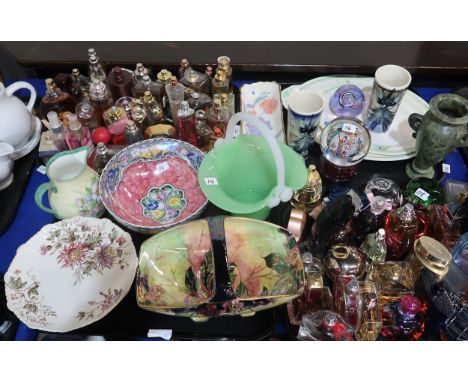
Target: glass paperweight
x,y
325,325
386,188
343,259
347,101
347,299
423,192
371,317
344,143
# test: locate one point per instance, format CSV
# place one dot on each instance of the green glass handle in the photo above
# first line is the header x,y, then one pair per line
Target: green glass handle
x,y
40,193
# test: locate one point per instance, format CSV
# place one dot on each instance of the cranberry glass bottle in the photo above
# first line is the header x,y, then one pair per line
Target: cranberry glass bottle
x,y
401,227
187,127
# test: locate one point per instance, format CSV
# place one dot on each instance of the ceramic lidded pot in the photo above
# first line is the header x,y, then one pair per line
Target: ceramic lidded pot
x,y
16,121
73,187
344,259
438,132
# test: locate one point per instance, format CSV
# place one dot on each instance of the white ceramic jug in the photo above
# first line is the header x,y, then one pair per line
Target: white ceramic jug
x,y
16,124
6,165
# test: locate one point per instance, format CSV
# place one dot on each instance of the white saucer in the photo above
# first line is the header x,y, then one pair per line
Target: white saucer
x,y
31,143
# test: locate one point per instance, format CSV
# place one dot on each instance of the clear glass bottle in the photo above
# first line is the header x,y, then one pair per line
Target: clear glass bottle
x,y
95,68
77,135
401,227
403,319
347,299
374,247
81,81
371,317
139,72
101,157
184,65
100,99
154,111
194,80
86,114
56,132
132,133
200,101
227,101
175,95
224,63
187,128
220,83
203,131
119,82
306,198
371,218
325,325
56,100
217,119
126,104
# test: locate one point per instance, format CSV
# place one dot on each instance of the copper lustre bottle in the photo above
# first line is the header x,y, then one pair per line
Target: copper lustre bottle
x,y
119,82
56,100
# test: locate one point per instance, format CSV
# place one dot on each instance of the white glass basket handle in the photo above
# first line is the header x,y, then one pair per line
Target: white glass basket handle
x,y
281,192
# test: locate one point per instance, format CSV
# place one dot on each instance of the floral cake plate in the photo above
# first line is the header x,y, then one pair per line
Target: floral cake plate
x,y
70,274
397,143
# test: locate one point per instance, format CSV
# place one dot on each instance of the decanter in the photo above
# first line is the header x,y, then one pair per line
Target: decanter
x,y
325,325
224,63
187,128
371,218
374,247
203,131
220,83
56,100
305,198
403,319
100,99
86,114
95,68
77,135
56,131
175,94
371,318
217,119
119,82
154,111
401,227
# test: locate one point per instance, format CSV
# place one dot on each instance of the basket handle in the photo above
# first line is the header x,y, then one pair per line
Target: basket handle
x,y
281,192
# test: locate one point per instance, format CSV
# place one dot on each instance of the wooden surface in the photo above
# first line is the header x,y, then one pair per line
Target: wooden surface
x,y
303,57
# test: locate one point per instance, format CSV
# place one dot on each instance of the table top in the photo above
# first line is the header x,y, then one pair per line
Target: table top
x,y
29,219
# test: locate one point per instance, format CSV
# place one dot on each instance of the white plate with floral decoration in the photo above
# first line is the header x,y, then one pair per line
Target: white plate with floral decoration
x,y
70,274
397,143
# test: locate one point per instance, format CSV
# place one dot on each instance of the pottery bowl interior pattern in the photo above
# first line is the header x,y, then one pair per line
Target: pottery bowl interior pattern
x,y
153,184
219,266
70,274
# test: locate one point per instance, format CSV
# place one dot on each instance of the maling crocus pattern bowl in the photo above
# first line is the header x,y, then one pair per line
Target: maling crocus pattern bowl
x,y
257,267
70,274
153,184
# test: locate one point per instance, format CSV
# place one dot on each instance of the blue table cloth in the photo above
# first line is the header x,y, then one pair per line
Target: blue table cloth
x,y
29,218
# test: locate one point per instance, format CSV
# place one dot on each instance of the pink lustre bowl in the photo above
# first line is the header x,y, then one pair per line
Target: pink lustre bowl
x,y
152,185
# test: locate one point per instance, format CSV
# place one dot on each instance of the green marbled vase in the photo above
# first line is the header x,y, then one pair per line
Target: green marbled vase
x,y
438,132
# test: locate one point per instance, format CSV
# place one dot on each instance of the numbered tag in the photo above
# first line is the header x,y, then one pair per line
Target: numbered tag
x,y
211,181
165,334
41,169
421,194
349,128
446,168
237,131
161,167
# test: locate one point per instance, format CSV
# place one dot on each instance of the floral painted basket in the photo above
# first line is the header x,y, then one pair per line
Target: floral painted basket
x,y
70,274
219,266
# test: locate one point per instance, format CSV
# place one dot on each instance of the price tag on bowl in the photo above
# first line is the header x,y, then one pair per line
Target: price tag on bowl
x,y
348,128
211,181
161,167
421,194
446,168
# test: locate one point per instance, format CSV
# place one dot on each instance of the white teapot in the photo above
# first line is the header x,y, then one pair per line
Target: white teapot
x,y
16,123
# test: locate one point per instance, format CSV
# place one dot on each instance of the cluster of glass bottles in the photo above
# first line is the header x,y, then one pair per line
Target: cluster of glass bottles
x,y
388,265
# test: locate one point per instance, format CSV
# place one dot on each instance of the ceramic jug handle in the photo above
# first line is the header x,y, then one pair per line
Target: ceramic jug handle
x,y
23,85
40,193
415,121
281,192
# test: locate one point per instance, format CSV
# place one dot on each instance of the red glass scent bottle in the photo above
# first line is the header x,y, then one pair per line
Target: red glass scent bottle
x,y
77,135
401,227
187,126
